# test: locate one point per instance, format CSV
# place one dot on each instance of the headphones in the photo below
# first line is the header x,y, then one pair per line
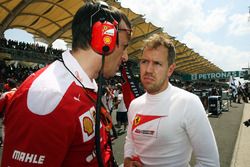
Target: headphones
x,y
104,34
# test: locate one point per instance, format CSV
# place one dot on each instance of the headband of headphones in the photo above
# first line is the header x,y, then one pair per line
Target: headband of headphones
x,y
104,33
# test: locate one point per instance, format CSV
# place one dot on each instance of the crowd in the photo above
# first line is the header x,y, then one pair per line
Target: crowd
x,y
35,47
16,72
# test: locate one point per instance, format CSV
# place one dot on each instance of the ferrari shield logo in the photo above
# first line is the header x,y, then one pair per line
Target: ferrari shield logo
x,y
137,120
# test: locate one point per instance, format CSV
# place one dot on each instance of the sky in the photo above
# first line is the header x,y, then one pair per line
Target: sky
x,y
219,30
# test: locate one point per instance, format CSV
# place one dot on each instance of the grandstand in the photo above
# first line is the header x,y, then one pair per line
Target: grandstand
x,y
52,20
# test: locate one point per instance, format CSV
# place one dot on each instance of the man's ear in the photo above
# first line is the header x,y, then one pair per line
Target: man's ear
x,y
171,69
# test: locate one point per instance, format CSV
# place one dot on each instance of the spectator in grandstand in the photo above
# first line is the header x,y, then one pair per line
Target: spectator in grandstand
x,y
166,123
51,120
3,42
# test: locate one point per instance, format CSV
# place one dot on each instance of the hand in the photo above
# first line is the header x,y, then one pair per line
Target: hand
x,y
135,164
128,162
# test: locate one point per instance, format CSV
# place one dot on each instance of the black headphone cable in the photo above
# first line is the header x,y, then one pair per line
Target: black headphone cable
x,y
98,108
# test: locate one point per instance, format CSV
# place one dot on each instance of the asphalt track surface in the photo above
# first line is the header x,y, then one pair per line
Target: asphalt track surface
x,y
225,127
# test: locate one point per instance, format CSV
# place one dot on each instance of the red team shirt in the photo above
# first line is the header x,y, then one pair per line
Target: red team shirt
x,y
50,121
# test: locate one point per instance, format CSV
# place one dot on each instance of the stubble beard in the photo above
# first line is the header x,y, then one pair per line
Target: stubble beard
x,y
152,87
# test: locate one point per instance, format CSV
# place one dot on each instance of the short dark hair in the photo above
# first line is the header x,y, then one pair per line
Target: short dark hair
x,y
11,82
81,28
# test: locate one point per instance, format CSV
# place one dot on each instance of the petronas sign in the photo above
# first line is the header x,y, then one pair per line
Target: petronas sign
x,y
218,75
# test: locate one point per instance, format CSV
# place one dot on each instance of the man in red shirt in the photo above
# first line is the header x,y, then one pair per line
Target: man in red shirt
x,y
51,119
5,99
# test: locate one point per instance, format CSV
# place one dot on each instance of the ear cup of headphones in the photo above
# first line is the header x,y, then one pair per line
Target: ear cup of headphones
x,y
103,37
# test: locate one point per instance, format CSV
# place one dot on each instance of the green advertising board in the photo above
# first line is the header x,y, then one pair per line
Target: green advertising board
x,y
211,76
